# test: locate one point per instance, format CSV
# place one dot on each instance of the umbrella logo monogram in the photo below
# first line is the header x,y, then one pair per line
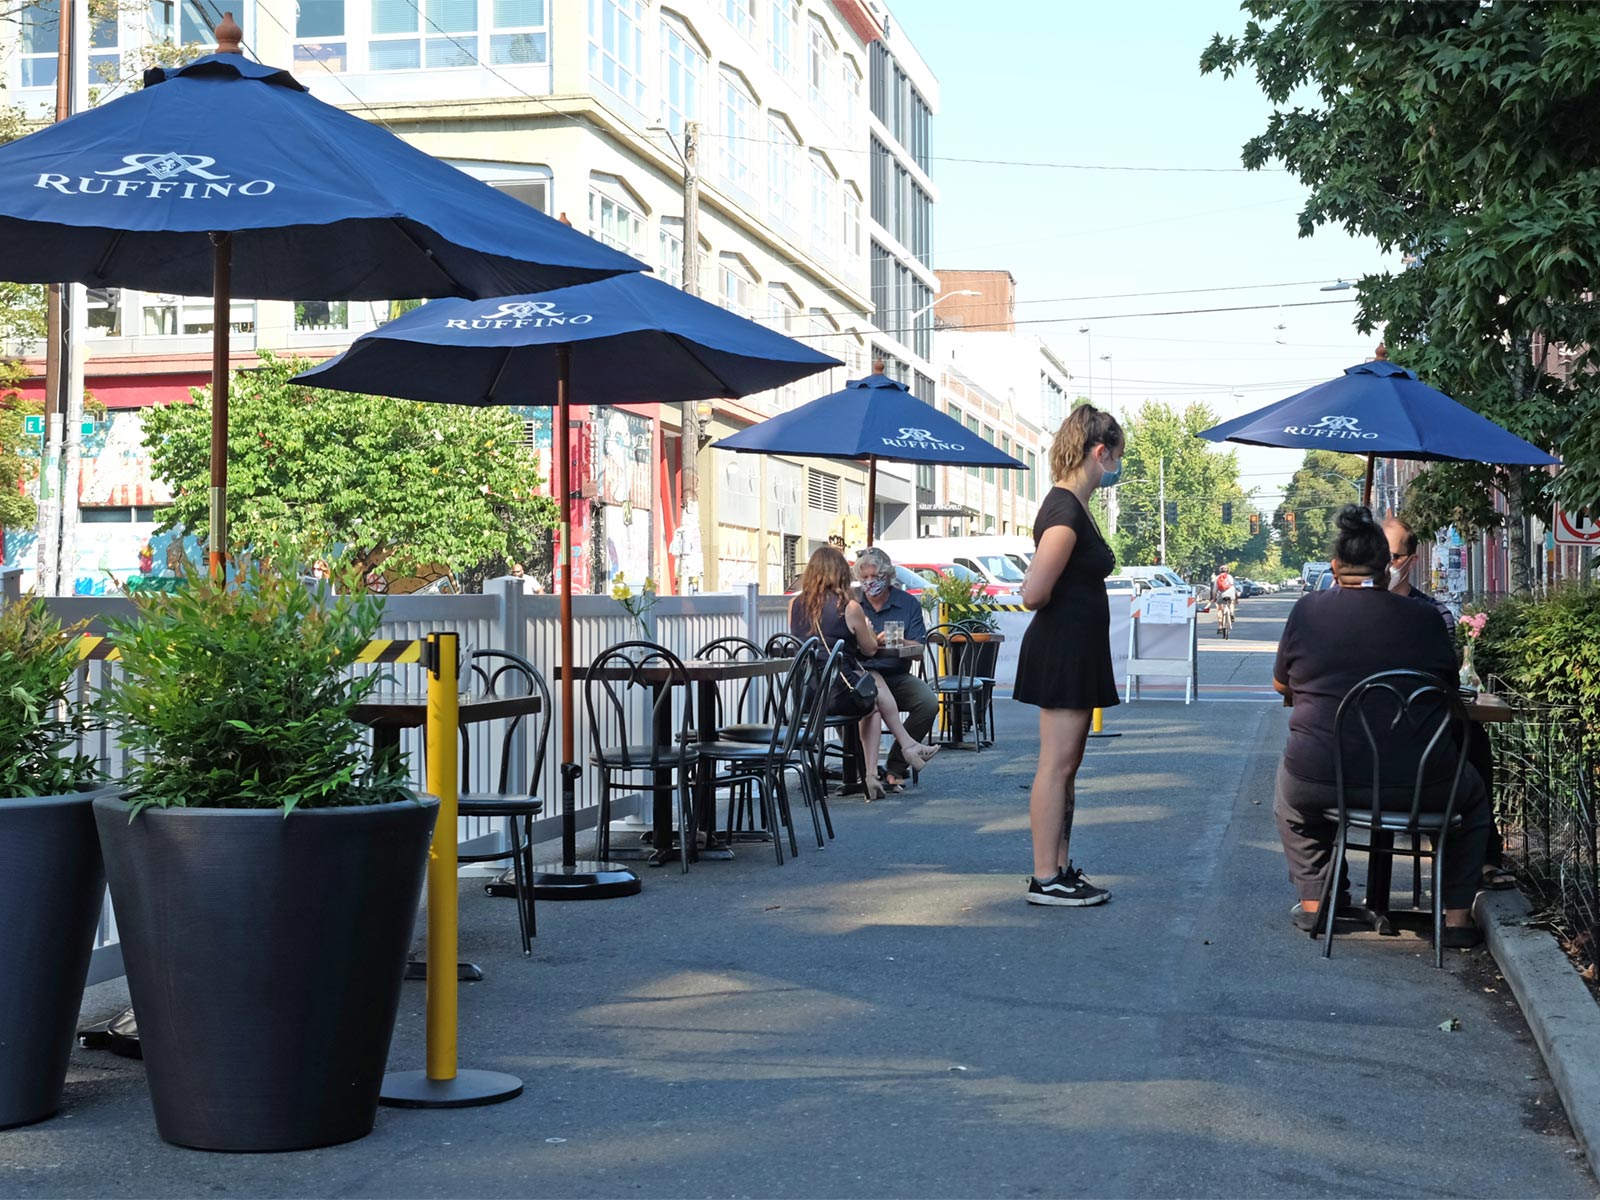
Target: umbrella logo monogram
x,y
521,314
1332,427
920,439
163,175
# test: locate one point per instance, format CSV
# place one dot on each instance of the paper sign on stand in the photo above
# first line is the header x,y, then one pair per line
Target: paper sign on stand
x,y
1162,640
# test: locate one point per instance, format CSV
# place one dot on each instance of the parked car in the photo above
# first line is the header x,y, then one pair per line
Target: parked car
x,y
931,572
1249,588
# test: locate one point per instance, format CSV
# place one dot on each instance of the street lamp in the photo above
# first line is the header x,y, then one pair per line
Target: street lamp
x,y
1111,385
946,296
1341,285
1089,357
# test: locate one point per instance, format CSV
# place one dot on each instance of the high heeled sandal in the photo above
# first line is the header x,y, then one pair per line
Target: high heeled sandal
x,y
917,757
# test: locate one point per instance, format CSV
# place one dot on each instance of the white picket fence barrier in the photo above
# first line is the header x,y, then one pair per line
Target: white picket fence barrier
x,y
505,617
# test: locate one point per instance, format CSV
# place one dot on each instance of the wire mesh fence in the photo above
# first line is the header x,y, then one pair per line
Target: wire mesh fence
x,y
1547,784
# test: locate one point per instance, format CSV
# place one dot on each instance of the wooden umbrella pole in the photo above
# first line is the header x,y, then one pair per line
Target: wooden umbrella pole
x,y
872,496
559,447
221,314
1366,488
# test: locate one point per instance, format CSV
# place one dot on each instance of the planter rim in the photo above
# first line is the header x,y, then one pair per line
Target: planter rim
x,y
80,796
112,798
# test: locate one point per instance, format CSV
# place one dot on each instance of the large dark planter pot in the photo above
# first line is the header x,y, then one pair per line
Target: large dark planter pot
x,y
52,888
264,957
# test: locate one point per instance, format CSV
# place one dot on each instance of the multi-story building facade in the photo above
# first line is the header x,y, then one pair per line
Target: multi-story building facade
x,y
903,98
1007,387
583,109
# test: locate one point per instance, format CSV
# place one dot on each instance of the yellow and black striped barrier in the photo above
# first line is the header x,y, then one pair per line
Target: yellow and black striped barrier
x,y
94,647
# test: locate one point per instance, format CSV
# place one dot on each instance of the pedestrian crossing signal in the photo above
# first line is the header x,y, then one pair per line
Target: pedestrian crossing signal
x,y
1255,524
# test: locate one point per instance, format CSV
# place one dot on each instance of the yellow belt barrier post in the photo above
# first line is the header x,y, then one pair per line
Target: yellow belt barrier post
x,y
440,1085
1097,725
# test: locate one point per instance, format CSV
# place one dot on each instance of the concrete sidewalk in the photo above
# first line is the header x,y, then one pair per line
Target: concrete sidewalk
x,y
889,1018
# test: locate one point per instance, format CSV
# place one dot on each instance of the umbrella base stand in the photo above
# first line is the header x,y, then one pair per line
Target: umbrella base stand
x,y
467,1089
581,881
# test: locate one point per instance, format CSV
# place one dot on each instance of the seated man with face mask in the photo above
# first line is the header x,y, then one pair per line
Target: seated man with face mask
x,y
883,602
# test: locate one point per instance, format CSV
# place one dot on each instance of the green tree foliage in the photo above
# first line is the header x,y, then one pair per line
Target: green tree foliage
x,y
364,480
1463,135
1324,484
17,509
1198,480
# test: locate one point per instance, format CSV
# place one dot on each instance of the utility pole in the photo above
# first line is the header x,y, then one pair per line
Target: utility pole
x,y
689,416
74,321
56,355
1161,505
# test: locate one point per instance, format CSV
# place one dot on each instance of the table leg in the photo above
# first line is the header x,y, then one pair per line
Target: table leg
x,y
705,792
661,788
1380,875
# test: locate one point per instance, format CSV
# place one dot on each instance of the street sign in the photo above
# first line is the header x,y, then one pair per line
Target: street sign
x,y
33,426
1576,529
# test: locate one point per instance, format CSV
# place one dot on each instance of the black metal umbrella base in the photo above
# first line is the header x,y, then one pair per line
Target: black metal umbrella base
x,y
582,881
413,1089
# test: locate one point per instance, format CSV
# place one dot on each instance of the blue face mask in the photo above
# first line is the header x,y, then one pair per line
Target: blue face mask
x,y
1109,479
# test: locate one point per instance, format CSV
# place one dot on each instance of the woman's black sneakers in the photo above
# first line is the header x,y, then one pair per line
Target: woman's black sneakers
x,y
1068,888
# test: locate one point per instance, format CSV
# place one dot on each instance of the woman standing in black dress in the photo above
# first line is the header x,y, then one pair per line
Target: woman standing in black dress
x,y
1065,664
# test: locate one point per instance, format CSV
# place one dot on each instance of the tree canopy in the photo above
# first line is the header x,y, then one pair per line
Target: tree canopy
x,y
1199,481
1324,484
1465,136
360,480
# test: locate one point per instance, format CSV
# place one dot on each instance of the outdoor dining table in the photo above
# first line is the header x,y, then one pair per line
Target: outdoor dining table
x,y
389,713
704,675
973,644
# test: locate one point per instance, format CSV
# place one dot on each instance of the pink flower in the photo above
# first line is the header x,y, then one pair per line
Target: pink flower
x,y
1474,623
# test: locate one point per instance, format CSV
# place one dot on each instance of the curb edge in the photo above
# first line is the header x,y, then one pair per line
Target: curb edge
x,y
1559,1009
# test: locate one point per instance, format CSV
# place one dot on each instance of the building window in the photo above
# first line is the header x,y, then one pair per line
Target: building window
x,y
183,24
313,315
784,36
394,45
735,288
613,221
105,59
741,15
783,314
852,222
169,316
319,34
988,436
521,33
683,71
104,306
819,68
783,182
40,38
616,47
669,261
824,185
852,97
738,128
535,192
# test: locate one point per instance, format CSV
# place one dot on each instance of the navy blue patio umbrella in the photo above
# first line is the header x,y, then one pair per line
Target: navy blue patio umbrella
x,y
1379,409
229,176
630,339
870,419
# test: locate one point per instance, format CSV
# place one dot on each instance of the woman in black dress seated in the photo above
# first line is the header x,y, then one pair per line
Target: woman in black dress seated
x,y
824,609
1331,642
1065,663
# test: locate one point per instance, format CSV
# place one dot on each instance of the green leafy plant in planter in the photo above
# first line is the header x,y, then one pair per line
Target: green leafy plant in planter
x,y
960,601
52,881
259,850
39,724
242,697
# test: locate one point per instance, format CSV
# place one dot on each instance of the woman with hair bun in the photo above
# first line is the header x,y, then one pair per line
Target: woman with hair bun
x,y
1064,666
1331,642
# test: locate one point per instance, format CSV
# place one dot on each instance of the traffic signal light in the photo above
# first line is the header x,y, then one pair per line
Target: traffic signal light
x,y
1255,524
1227,512
1288,519
1172,512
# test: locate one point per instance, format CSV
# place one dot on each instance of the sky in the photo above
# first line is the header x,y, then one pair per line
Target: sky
x,y
1095,83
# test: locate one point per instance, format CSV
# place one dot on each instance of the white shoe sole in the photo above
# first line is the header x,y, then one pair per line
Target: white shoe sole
x,y
1067,901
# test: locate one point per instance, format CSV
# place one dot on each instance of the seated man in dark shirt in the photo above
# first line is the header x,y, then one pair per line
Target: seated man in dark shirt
x,y
882,601
1331,642
1402,559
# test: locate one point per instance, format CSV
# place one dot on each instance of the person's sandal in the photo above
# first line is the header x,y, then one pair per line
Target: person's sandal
x,y
1461,937
1497,879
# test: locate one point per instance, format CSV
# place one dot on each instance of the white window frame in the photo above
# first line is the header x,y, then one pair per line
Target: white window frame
x,y
330,50
821,51
824,192
669,259
623,59
851,72
852,230
736,285
741,14
783,37
683,70
614,215
402,37
737,110
783,172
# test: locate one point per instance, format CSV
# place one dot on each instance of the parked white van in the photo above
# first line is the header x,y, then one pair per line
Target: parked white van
x,y
988,556
1156,576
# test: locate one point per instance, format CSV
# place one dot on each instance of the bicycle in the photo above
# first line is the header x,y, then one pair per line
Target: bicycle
x,y
1225,618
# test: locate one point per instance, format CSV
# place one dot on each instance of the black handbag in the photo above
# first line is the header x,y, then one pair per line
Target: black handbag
x,y
860,690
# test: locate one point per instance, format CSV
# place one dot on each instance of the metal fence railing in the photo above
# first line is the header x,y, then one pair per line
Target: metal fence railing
x,y
1547,796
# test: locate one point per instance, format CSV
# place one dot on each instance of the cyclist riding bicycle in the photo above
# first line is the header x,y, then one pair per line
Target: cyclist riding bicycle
x,y
1226,594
